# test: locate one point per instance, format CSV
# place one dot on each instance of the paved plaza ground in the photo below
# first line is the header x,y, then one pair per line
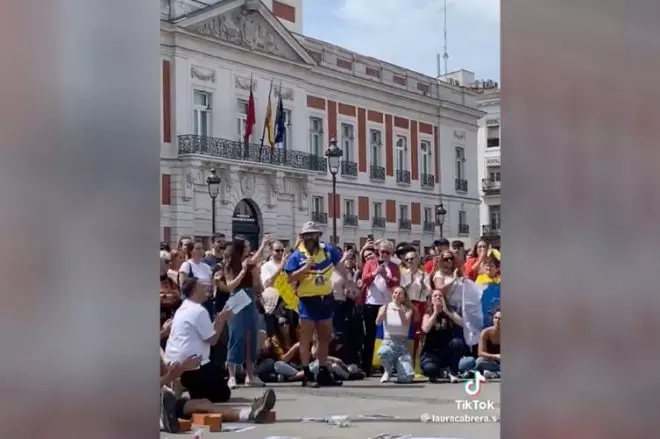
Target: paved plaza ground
x,y
406,402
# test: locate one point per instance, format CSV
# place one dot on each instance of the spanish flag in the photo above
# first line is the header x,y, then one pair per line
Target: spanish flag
x,y
268,124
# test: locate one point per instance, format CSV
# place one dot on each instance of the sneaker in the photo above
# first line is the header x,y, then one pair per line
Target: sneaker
x,y
452,378
490,375
254,382
385,378
262,405
231,383
309,380
168,418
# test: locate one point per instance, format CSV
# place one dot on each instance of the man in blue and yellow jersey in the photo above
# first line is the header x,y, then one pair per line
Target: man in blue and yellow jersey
x,y
310,266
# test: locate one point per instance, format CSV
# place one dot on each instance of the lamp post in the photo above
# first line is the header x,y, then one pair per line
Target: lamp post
x,y
334,155
213,183
440,213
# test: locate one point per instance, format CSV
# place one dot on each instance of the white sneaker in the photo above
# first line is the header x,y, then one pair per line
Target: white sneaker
x,y
385,378
254,382
231,383
453,378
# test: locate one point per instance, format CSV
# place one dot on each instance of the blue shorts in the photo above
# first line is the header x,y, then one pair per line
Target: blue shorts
x,y
316,308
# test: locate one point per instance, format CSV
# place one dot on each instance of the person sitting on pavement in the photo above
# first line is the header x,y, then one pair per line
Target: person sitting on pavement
x,y
173,408
396,318
279,357
192,334
444,347
339,370
488,362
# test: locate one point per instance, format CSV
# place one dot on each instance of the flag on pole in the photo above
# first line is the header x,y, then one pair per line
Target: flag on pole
x,y
251,117
268,124
478,302
279,120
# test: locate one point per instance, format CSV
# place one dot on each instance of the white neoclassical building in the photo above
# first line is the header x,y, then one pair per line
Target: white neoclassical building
x,y
409,141
490,174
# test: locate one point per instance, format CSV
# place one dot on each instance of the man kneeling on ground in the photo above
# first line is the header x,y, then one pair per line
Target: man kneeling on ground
x,y
172,408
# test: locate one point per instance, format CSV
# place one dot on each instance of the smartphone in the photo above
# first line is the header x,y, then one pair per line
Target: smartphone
x,y
370,237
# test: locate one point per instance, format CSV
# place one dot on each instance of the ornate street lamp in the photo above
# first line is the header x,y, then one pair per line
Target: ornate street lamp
x,y
213,182
440,213
334,154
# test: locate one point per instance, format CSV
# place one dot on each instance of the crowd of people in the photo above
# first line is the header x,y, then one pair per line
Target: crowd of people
x,y
318,315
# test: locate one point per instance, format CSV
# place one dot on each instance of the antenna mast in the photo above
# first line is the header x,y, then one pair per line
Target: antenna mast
x,y
445,55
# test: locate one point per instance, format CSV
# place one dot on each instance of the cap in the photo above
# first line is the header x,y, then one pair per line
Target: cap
x,y
441,242
310,227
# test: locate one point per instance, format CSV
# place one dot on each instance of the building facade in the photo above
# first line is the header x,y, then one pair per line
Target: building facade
x,y
490,174
409,141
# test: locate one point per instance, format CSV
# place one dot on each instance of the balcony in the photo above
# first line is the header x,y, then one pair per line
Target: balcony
x,y
461,185
490,231
320,217
490,187
253,152
463,229
351,220
427,180
405,224
403,176
349,169
377,173
428,227
378,222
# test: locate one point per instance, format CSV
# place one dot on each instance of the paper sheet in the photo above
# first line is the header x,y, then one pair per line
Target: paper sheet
x,y
237,302
235,427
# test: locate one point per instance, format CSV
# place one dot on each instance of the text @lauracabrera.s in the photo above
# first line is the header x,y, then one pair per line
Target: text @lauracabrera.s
x,y
428,418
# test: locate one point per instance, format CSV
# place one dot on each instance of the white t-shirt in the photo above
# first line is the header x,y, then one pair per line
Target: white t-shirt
x,y
200,270
393,326
379,293
268,270
452,294
191,327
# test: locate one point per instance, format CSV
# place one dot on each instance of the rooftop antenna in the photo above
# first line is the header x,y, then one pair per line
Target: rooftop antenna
x,y
445,54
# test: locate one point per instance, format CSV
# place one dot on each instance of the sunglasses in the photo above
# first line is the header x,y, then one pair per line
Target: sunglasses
x,y
448,259
279,250
384,252
410,259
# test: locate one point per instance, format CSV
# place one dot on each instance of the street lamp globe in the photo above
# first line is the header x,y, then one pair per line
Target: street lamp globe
x,y
440,213
334,154
213,182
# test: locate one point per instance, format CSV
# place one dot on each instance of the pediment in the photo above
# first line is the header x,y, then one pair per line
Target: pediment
x,y
256,30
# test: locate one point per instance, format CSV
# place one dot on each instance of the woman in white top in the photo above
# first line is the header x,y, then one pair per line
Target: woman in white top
x,y
418,288
195,267
445,279
396,318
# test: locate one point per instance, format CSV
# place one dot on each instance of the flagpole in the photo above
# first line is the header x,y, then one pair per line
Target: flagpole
x,y
263,134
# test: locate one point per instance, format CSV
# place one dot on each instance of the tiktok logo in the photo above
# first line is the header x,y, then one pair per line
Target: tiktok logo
x,y
473,386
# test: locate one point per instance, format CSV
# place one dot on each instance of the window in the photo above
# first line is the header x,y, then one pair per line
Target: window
x,y
428,215
376,148
403,212
349,207
241,116
347,141
286,144
494,174
493,136
201,113
494,214
378,210
462,218
460,163
425,157
318,204
401,153
316,136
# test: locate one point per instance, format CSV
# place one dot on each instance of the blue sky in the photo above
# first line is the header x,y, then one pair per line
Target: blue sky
x,y
409,33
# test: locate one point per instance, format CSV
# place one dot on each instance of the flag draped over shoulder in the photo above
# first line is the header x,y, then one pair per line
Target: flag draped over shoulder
x,y
251,117
479,301
268,124
279,122
286,292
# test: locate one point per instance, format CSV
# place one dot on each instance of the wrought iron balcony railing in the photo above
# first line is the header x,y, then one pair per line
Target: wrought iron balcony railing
x,y
463,229
320,217
490,186
461,185
253,152
428,227
349,169
427,180
378,222
405,224
403,176
377,173
351,220
489,230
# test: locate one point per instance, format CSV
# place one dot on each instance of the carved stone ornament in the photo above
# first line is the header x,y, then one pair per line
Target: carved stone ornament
x,y
285,92
459,135
249,30
202,74
248,184
188,185
244,83
304,194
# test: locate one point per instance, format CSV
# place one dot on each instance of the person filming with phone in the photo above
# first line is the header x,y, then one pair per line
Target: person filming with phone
x,y
379,276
